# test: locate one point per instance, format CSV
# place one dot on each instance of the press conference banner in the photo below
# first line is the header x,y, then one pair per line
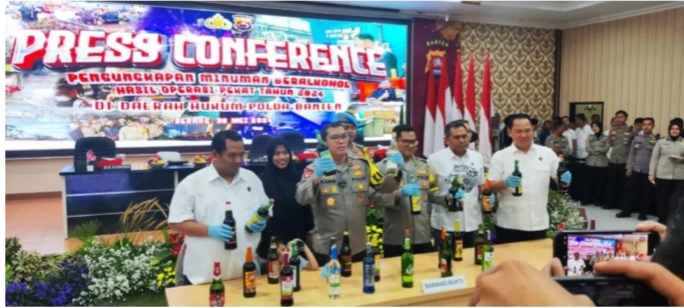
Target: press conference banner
x,y
138,73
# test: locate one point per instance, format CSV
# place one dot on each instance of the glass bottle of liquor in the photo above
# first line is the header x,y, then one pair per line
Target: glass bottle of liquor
x,y
415,200
286,284
368,270
453,204
517,191
487,206
445,256
479,243
376,257
273,263
217,292
249,275
346,256
562,168
488,253
458,242
231,244
295,264
260,215
407,262
334,271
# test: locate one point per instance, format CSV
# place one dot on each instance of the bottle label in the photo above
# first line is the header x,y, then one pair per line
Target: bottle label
x,y
488,260
368,279
376,266
408,270
346,264
443,265
458,252
233,239
217,299
479,252
486,203
286,287
294,274
273,269
415,204
250,282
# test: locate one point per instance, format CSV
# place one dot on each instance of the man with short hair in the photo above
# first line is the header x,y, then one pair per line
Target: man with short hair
x,y
619,139
524,217
569,132
339,187
641,190
457,159
583,132
199,207
558,142
636,127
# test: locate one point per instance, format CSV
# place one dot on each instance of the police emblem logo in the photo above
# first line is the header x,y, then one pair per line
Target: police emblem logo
x,y
356,167
422,171
243,22
325,190
331,201
361,197
359,153
358,173
361,186
308,173
333,189
423,184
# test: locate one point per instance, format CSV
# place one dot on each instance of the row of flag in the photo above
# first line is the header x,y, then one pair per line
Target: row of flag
x,y
446,103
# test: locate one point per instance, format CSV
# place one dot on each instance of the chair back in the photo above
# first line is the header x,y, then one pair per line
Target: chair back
x,y
296,142
101,147
257,152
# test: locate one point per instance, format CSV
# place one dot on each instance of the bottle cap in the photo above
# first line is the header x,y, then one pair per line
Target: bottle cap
x,y
250,257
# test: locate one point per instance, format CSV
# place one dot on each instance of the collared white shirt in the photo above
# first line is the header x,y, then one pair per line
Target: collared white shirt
x,y
582,135
527,212
470,168
202,197
570,134
575,267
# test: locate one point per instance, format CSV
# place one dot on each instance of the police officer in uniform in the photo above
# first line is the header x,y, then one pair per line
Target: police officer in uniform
x,y
341,198
557,142
356,150
399,215
620,139
641,189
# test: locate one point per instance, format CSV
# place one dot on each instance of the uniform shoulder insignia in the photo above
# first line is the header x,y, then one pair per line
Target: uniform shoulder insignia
x,y
422,160
360,147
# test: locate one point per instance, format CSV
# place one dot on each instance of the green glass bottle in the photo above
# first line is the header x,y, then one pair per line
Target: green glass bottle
x,y
488,253
407,262
479,243
445,256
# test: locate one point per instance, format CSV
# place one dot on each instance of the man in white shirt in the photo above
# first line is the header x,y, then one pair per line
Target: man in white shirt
x,y
524,217
575,265
570,134
457,159
199,206
583,132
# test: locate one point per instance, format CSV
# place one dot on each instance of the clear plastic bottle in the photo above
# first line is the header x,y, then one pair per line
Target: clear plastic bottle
x,y
334,274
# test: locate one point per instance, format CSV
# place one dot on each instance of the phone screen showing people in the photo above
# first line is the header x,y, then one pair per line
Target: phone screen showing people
x,y
586,250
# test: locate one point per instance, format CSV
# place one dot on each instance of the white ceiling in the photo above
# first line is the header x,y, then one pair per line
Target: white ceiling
x,y
545,14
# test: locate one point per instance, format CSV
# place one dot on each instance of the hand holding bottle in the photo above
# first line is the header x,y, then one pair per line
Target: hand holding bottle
x,y
396,158
258,227
322,165
513,181
409,190
221,232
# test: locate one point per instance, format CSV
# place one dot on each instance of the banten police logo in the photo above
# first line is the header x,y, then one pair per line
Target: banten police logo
x,y
243,23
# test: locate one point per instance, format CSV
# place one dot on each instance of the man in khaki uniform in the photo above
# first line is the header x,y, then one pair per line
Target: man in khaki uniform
x,y
358,151
641,190
557,142
620,139
400,213
341,199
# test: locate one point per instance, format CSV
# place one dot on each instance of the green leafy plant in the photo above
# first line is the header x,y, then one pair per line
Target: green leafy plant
x,y
86,233
32,266
9,272
141,217
374,217
12,248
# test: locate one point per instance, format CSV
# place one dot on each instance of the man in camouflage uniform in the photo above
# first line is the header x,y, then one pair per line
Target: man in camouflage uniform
x,y
557,142
641,189
341,199
620,139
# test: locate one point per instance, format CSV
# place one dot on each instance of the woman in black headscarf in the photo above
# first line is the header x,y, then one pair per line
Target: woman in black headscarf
x,y
290,219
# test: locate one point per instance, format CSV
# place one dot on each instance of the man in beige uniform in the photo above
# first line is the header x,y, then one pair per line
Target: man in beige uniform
x,y
641,190
620,139
341,199
557,141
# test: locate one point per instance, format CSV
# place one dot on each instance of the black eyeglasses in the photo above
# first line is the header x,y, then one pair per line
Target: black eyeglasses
x,y
408,142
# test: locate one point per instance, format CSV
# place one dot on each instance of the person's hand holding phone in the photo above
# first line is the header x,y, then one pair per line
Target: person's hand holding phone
x,y
655,275
525,286
652,226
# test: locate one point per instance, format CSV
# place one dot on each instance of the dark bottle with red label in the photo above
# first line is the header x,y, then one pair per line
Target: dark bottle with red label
x,y
346,256
231,244
286,284
217,292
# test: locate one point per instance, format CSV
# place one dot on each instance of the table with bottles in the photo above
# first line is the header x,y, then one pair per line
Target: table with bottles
x,y
388,291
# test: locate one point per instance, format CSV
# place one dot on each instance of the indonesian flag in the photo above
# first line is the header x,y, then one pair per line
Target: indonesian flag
x,y
455,110
431,106
443,100
469,114
485,145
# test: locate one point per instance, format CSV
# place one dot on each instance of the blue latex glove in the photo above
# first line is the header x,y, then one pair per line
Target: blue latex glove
x,y
459,194
396,158
512,181
566,177
221,232
409,190
492,199
322,165
258,227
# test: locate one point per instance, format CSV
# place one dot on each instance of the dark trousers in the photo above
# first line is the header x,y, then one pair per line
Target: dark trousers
x,y
505,236
392,251
577,190
468,238
641,193
668,193
617,183
323,259
596,185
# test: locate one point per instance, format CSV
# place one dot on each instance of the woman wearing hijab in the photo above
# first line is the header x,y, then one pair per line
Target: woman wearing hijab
x,y
666,170
290,221
597,165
